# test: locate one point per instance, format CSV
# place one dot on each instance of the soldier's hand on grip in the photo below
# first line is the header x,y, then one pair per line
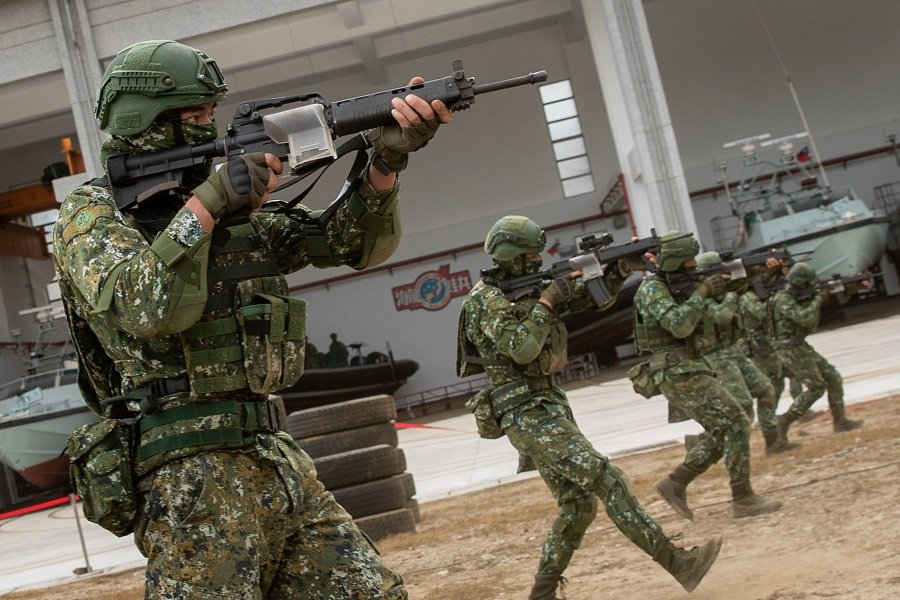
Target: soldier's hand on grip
x,y
561,289
712,285
242,181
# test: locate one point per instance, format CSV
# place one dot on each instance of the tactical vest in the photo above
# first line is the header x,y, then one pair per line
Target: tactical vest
x,y
783,331
714,336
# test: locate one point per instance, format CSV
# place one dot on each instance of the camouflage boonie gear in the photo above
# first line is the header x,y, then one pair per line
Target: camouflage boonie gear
x,y
535,416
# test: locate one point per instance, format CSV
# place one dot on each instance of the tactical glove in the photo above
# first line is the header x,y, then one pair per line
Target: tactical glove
x,y
630,264
712,285
392,144
240,182
561,289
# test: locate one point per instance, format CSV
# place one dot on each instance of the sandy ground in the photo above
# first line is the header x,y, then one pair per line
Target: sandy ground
x,y
838,535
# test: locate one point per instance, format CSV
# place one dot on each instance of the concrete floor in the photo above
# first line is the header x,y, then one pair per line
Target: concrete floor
x,y
447,457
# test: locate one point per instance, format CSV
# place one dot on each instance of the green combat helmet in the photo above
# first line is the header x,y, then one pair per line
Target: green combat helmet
x,y
512,236
801,275
674,252
709,259
149,78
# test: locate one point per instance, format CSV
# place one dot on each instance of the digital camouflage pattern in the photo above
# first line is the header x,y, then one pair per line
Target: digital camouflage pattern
x,y
297,543
252,526
535,416
723,352
673,336
792,321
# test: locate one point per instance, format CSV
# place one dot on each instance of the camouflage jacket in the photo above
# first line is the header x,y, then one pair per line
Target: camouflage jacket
x,y
791,321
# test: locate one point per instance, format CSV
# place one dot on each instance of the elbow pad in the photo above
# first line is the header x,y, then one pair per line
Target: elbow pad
x,y
187,297
381,229
530,346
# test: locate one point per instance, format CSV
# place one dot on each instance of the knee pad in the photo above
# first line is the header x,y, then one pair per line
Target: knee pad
x,y
574,519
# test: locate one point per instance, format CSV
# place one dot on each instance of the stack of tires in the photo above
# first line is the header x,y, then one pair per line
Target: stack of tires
x,y
354,447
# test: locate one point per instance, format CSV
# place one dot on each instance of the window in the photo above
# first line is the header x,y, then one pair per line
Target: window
x,y
568,142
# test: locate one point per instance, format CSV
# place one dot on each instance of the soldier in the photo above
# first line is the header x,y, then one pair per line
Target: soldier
x,y
720,342
183,322
794,314
669,308
520,345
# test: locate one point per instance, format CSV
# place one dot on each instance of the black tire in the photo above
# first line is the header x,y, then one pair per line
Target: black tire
x,y
341,416
374,497
384,524
351,439
359,466
409,483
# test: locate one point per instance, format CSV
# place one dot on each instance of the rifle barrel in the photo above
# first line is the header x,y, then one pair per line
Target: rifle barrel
x,y
532,78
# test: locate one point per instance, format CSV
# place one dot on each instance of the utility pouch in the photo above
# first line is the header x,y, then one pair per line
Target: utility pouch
x,y
100,467
273,338
641,376
480,405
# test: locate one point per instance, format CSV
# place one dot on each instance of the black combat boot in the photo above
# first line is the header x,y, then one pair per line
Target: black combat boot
x,y
673,489
687,566
776,444
747,504
545,585
840,420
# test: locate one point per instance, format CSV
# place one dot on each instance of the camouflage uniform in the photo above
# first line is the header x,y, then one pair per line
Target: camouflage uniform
x,y
242,523
791,321
182,335
689,383
520,345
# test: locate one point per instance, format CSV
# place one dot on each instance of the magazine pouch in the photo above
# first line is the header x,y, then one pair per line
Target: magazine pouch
x,y
480,405
100,468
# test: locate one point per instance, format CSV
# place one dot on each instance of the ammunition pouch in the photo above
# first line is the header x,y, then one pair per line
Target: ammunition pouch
x,y
487,424
642,380
101,471
194,427
514,394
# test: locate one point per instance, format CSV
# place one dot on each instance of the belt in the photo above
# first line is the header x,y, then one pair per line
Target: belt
x,y
508,396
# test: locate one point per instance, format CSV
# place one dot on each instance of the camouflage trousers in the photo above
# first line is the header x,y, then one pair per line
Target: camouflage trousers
x,y
702,398
577,476
745,381
816,375
771,366
252,525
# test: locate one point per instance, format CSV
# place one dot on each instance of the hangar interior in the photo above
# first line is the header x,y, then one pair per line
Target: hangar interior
x,y
651,94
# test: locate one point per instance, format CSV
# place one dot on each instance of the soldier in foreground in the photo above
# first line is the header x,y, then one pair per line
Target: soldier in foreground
x,y
795,314
669,308
180,312
520,345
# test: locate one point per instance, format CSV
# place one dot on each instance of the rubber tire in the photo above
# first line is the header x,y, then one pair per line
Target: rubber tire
x,y
351,439
341,416
359,466
384,524
374,497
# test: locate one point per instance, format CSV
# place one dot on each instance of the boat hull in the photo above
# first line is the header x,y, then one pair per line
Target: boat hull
x,y
318,387
33,446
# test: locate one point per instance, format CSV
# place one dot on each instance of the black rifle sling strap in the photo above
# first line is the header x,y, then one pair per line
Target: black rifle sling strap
x,y
358,143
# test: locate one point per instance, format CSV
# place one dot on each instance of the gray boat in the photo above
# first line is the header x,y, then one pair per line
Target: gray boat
x,y
781,204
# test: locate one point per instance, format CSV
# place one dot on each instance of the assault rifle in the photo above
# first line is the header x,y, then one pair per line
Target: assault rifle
x,y
737,270
595,252
302,136
838,286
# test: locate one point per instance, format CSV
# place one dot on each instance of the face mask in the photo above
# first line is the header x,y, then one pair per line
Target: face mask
x,y
161,136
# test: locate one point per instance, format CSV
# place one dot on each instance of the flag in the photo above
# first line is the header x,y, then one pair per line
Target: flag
x,y
554,249
803,154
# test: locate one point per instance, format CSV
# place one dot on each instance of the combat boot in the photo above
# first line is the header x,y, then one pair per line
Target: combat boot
x,y
747,504
545,585
673,489
784,423
841,422
687,566
776,444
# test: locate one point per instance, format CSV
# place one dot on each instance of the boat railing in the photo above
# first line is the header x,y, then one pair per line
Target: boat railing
x,y
445,395
44,379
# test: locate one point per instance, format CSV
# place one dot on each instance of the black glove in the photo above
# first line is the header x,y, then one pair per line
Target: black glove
x,y
712,285
561,289
242,181
392,144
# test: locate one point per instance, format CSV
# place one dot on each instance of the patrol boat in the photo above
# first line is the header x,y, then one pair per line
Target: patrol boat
x,y
40,409
781,204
